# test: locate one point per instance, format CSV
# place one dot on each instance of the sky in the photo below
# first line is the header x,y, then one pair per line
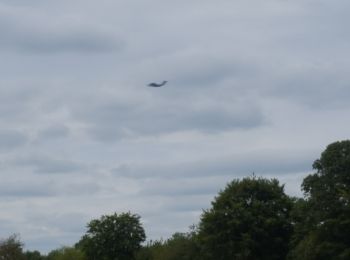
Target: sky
x,y
253,87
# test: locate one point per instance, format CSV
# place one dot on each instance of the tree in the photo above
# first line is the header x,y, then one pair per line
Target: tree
x,y
181,246
11,248
33,255
323,229
66,253
113,237
248,220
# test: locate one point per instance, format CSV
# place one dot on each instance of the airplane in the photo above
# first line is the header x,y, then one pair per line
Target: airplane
x,y
156,85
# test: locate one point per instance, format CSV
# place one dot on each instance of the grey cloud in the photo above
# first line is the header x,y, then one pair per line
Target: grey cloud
x,y
79,188
26,188
46,165
18,100
182,186
297,69
46,190
72,222
199,67
78,41
56,166
22,189
176,218
8,227
54,132
40,36
11,139
317,86
238,166
45,232
249,90
45,243
194,204
116,121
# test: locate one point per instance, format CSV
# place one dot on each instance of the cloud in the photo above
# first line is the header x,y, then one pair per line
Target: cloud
x,y
20,189
10,140
236,166
47,165
198,67
74,41
315,84
109,120
80,187
181,187
26,30
156,123
53,132
254,86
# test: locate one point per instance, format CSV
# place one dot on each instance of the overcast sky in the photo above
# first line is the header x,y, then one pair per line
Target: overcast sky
x,y
254,86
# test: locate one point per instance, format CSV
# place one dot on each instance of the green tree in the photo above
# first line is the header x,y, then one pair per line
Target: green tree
x,y
113,237
248,220
11,248
323,229
181,246
33,255
66,253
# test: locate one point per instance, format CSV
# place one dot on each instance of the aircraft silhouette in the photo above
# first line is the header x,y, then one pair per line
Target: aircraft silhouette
x,y
156,85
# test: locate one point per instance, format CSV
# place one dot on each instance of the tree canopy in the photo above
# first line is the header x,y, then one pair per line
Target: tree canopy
x,y
323,229
66,253
181,246
249,219
113,237
11,248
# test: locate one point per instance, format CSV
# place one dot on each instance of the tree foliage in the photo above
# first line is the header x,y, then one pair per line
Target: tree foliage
x,y
11,248
248,220
323,229
34,255
113,237
66,253
181,246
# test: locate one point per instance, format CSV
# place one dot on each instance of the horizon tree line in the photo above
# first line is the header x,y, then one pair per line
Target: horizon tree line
x,y
251,218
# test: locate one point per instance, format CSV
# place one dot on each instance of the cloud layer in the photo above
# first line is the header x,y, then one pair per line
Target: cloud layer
x,y
253,87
